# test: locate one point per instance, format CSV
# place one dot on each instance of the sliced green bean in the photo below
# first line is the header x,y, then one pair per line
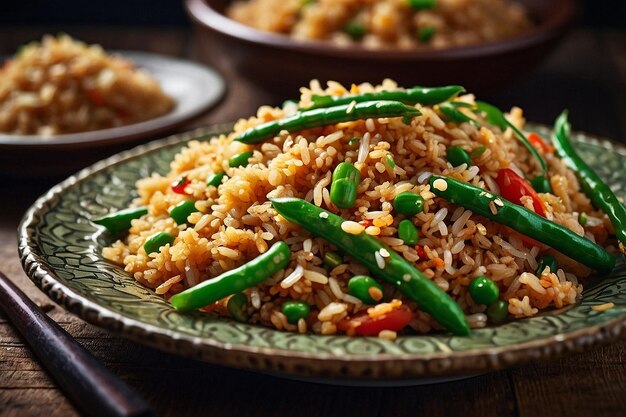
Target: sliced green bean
x,y
327,116
120,221
408,203
416,95
332,259
522,220
408,232
239,160
451,110
365,289
215,179
182,210
156,241
598,192
394,268
236,280
457,156
343,188
295,310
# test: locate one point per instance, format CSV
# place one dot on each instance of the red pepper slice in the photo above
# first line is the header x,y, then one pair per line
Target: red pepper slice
x,y
179,186
513,188
395,320
540,144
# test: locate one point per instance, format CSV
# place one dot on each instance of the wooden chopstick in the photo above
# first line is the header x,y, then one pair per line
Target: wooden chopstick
x,y
94,389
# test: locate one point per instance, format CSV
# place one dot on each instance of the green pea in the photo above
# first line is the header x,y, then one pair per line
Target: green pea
x,y
296,310
424,34
355,30
541,184
408,232
156,241
582,219
237,307
421,4
182,210
408,203
498,311
483,290
362,287
457,156
546,260
343,188
239,160
476,152
332,259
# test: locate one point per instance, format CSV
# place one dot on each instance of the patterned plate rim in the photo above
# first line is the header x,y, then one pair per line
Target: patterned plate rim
x,y
384,366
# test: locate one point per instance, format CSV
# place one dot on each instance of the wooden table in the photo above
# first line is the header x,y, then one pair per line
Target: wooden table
x,y
588,72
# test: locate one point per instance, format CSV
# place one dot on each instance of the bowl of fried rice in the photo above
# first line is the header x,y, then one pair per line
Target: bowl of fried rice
x,y
281,45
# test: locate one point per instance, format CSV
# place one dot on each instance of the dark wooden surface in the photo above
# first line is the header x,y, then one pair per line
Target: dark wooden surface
x,y
587,74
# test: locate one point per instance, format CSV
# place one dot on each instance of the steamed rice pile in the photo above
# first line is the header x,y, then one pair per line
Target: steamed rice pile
x,y
385,23
64,86
235,222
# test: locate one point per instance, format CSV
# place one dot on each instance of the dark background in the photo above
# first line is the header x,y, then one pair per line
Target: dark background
x,y
608,13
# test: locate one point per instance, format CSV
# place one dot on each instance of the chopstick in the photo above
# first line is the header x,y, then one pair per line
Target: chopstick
x,y
94,389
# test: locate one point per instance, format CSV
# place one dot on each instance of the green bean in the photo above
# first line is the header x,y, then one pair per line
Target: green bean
x,y
415,95
120,220
408,203
239,160
451,110
332,259
327,116
541,184
408,232
365,289
522,220
234,281
182,210
483,290
546,261
598,192
424,34
215,179
295,310
494,116
237,307
156,241
345,180
362,247
457,156
498,311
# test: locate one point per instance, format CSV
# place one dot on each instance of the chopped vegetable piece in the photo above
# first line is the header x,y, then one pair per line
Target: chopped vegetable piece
x,y
526,222
451,110
498,311
539,143
345,180
120,220
513,188
360,286
236,280
156,241
396,270
408,232
240,160
237,307
408,203
353,141
415,95
182,210
425,34
355,30
457,156
295,310
541,184
215,179
390,161
483,290
332,259
308,119
476,152
422,4
179,186
598,192
546,261
395,320
582,219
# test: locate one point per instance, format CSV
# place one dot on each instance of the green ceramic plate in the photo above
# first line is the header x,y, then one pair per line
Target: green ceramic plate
x,y
60,250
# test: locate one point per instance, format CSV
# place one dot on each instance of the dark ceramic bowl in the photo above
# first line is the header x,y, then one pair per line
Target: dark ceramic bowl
x,y
281,64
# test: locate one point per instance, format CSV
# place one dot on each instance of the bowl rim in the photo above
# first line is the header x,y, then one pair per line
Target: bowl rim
x,y
203,13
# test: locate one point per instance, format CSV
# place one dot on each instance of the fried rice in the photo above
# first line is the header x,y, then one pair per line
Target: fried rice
x,y
385,23
65,86
235,222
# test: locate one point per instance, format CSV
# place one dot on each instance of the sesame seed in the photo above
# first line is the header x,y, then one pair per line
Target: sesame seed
x,y
352,227
440,184
384,253
380,261
324,215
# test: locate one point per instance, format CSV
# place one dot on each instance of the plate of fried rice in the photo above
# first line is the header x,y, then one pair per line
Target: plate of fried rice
x,y
61,92
371,233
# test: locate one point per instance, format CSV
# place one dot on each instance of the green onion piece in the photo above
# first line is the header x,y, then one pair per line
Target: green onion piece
x,y
365,289
295,310
541,184
332,259
182,210
546,260
390,161
476,152
422,4
156,241
582,219
215,179
353,141
239,160
408,203
408,232
457,156
425,34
